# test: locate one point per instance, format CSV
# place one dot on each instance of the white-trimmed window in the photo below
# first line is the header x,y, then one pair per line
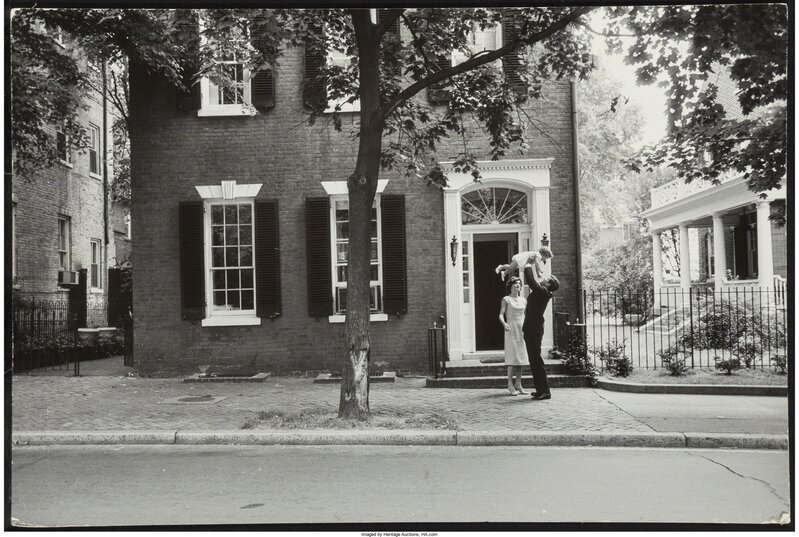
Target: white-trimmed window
x,y
96,264
64,243
94,150
339,215
342,60
711,256
62,146
478,41
230,265
232,100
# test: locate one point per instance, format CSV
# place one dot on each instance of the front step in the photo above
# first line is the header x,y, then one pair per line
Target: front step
x,y
497,382
473,368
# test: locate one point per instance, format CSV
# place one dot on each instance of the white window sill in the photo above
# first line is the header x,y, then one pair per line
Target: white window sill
x,y
231,321
96,176
65,164
95,290
337,319
227,110
345,107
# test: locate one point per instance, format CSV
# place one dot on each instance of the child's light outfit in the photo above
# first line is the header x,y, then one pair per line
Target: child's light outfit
x,y
515,349
519,261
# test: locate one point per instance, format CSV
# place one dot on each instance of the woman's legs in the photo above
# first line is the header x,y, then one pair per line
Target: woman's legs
x,y
511,389
518,383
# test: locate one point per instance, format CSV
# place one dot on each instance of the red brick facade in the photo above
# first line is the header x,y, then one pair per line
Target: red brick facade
x,y
173,151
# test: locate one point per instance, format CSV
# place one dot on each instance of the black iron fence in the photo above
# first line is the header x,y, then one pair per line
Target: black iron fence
x,y
46,332
701,326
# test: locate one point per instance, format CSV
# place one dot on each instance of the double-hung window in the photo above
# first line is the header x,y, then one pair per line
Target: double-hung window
x,y
227,99
479,40
96,264
231,278
341,248
62,145
94,150
64,247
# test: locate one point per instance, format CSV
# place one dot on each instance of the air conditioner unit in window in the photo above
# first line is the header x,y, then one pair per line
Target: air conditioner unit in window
x,y
67,277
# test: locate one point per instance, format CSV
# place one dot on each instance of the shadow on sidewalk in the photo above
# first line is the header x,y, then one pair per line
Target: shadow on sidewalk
x,y
113,366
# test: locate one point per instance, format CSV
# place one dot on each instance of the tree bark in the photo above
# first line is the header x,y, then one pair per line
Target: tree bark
x,y
361,186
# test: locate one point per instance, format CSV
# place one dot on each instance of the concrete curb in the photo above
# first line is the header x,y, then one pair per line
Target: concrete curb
x,y
691,389
401,437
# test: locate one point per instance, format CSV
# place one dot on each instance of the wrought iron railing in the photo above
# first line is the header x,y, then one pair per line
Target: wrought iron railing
x,y
700,326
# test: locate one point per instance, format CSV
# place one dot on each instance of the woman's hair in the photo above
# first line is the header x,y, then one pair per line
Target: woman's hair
x,y
511,281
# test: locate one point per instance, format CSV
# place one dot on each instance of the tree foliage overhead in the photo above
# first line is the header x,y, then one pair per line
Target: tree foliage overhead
x,y
683,47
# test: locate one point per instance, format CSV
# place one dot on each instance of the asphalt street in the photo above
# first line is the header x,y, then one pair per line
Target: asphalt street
x,y
179,485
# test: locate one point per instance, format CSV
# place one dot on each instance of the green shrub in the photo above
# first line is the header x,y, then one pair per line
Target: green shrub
x,y
613,356
672,362
781,362
729,365
575,356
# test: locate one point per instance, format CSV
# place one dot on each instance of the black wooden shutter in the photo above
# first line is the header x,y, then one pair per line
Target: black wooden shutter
x,y
263,90
438,93
314,86
267,259
512,62
188,23
393,31
192,262
395,287
320,283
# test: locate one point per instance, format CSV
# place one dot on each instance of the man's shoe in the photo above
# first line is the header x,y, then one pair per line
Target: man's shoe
x,y
542,396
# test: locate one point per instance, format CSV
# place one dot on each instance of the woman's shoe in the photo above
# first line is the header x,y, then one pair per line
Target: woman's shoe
x,y
512,390
521,390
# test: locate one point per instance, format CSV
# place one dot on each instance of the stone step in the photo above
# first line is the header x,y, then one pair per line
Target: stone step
x,y
473,368
554,381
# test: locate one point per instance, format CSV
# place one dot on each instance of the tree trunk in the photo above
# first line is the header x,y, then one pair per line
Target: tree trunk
x,y
361,185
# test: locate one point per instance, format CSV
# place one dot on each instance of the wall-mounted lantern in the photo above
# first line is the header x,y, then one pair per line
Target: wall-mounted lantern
x,y
453,249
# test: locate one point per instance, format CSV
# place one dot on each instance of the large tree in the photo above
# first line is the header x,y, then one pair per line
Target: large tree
x,y
395,129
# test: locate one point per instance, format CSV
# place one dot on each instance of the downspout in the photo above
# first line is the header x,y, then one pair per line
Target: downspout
x,y
105,166
577,230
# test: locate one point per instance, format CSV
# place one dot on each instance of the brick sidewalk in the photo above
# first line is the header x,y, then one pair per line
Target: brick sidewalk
x,y
101,403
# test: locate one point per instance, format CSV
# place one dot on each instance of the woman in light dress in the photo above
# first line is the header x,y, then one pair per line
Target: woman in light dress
x,y
511,315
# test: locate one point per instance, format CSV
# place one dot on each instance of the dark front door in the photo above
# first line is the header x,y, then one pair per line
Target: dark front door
x,y
489,290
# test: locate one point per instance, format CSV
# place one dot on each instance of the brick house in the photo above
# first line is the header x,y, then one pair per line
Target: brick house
x,y
61,218
241,230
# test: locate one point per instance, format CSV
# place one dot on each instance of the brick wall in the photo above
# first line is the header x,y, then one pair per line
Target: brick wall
x,y
174,151
66,190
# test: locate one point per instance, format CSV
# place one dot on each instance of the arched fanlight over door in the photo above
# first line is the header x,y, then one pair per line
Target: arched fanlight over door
x,y
494,206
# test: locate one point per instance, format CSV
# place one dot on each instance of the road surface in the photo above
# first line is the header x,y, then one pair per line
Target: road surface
x,y
165,485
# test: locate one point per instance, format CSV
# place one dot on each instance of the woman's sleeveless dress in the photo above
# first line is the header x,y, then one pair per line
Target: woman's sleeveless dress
x,y
515,349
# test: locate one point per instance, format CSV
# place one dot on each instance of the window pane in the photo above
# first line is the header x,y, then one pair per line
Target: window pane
x,y
374,229
217,257
245,256
342,299
245,214
373,247
231,257
341,252
232,279
233,300
373,273
217,235
219,279
342,214
246,279
342,273
245,235
231,214
93,161
466,279
216,214
94,276
466,296
247,300
231,235
342,230
219,298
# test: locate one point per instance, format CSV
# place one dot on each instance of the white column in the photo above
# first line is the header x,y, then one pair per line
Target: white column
x,y
685,259
657,265
452,228
719,251
765,259
541,214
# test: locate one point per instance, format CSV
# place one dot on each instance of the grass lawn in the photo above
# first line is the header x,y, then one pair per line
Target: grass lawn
x,y
752,377
324,418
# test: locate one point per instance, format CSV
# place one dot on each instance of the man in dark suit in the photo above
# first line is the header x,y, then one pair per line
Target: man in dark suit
x,y
540,295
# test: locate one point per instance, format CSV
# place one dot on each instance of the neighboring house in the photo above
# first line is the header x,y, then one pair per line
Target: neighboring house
x,y
241,231
61,217
725,226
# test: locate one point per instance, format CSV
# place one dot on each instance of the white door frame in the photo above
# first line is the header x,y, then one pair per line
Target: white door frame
x,y
528,175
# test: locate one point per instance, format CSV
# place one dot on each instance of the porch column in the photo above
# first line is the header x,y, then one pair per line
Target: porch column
x,y
657,265
719,251
452,228
765,261
685,259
